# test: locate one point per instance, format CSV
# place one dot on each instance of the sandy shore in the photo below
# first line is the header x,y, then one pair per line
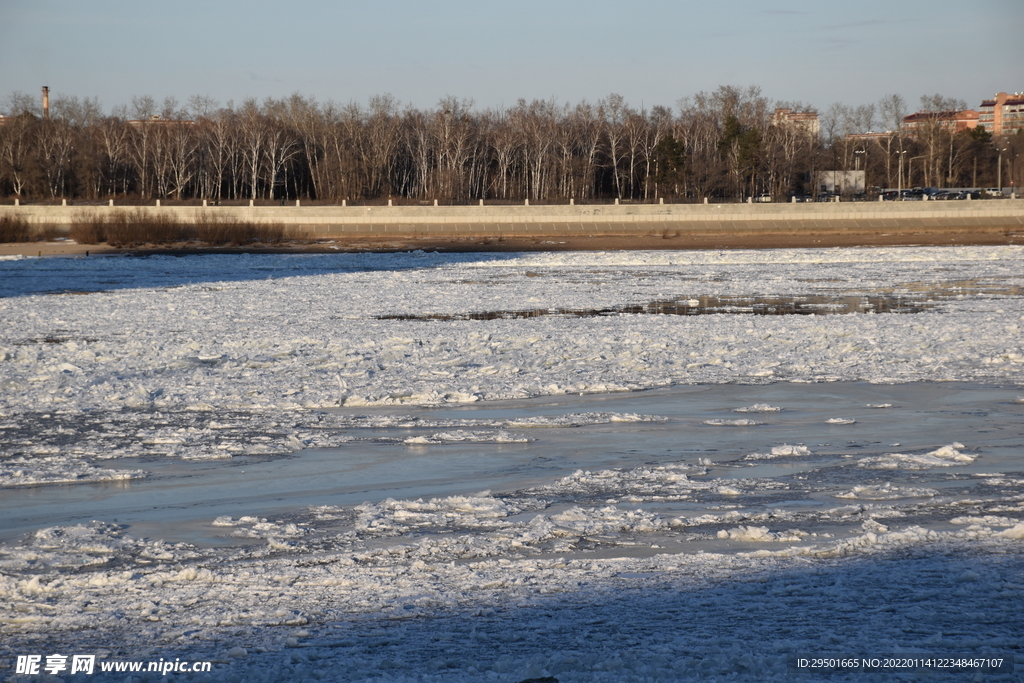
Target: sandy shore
x,y
61,248
733,240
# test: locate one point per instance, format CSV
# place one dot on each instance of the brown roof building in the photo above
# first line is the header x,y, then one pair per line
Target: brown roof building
x,y
953,121
871,136
1003,115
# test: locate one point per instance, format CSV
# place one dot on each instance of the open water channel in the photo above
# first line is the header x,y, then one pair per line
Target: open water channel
x,y
882,446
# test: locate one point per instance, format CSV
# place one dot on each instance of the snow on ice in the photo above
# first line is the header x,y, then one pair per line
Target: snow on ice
x,y
681,568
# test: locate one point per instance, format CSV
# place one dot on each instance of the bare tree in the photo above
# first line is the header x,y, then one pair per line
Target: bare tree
x,y
586,125
452,130
892,109
55,155
17,145
141,139
253,136
534,126
113,140
282,145
940,104
722,143
933,131
635,128
379,143
182,146
218,135
658,123
507,148
615,112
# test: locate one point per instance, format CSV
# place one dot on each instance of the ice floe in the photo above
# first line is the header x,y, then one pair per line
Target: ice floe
x,y
886,491
758,408
946,456
54,469
761,534
464,436
783,451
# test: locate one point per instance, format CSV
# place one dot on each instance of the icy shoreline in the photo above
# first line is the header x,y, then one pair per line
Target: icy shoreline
x,y
289,615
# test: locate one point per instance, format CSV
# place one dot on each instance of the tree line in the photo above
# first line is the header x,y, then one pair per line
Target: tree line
x,y
724,144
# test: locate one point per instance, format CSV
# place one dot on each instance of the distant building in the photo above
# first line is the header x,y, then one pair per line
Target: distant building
x,y
953,121
157,120
807,121
869,136
841,182
1003,115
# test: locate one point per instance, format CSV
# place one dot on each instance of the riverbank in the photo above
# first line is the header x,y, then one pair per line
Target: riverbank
x,y
671,239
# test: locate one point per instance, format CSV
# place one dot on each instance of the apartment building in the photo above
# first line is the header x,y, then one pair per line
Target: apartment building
x,y
1002,115
805,121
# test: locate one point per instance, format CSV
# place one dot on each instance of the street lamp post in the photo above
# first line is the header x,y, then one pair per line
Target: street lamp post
x,y
999,170
856,158
1013,191
899,182
910,168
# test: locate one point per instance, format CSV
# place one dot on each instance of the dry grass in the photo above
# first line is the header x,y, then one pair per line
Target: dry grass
x,y
87,229
131,228
14,229
216,230
126,228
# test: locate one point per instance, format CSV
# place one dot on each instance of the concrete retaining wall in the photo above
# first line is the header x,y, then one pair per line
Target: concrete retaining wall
x,y
355,221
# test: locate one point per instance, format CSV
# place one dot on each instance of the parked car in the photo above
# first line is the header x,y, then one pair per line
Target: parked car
x,y
964,194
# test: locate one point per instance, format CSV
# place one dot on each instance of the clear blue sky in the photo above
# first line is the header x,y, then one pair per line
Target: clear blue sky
x,y
649,51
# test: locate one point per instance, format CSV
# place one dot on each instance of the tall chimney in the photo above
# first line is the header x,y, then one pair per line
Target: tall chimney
x,y
46,102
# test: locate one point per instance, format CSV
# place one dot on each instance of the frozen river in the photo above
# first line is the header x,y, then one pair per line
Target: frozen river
x,y
594,466
843,436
